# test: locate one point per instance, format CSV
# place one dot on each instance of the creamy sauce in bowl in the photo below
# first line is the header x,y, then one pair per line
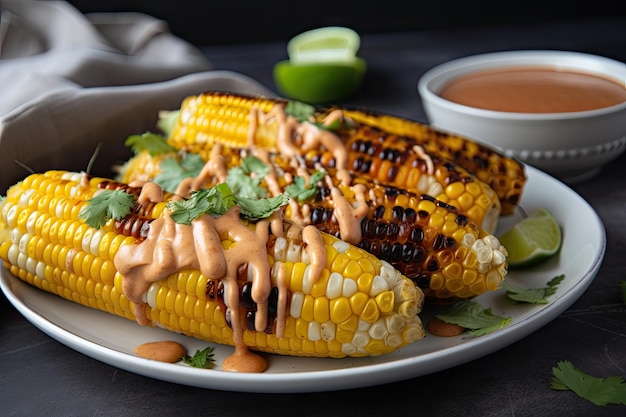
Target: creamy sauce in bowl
x,y
534,90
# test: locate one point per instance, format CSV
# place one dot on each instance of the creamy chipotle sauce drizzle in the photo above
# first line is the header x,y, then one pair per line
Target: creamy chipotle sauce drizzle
x,y
311,137
171,247
535,90
215,168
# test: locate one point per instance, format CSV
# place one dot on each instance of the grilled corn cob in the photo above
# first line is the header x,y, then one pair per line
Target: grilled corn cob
x,y
292,290
504,174
445,253
238,122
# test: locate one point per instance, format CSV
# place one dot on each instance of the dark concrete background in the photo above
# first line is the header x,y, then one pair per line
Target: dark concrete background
x,y
206,22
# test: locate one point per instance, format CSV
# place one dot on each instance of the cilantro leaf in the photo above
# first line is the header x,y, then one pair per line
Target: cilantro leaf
x,y
217,200
185,211
109,204
299,188
153,143
201,359
167,121
301,111
245,179
255,209
174,171
600,391
254,166
210,201
532,295
472,316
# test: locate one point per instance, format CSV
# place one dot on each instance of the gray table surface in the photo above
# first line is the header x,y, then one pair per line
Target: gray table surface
x,y
41,377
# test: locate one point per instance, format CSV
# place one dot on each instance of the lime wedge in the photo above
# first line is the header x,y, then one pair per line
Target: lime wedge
x,y
532,240
318,83
327,44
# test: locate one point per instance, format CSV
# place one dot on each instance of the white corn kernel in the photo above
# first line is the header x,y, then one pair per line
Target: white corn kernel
x,y
23,243
313,331
293,252
295,309
360,339
379,284
335,285
348,348
378,329
13,254
280,248
307,280
11,217
31,266
32,221
350,287
363,326
328,331
95,242
25,197
40,270
341,246
152,294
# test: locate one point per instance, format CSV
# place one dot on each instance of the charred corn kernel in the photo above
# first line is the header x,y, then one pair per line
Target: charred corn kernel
x,y
82,264
364,150
504,174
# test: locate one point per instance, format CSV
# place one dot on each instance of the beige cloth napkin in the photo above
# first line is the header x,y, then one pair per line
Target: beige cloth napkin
x,y
71,81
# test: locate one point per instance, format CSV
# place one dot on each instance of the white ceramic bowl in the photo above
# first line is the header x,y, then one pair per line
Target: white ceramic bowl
x,y
571,146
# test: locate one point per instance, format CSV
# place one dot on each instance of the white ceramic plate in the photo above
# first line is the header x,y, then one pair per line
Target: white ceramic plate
x,y
112,340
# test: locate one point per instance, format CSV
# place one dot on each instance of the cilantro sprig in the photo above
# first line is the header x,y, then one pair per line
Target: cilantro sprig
x,y
201,359
304,112
153,143
217,200
302,191
600,391
301,111
109,204
532,295
472,316
245,179
175,170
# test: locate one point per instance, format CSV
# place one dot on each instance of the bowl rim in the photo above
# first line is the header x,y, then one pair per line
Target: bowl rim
x,y
595,64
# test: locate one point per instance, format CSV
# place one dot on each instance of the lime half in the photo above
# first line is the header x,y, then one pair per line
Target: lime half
x,y
532,240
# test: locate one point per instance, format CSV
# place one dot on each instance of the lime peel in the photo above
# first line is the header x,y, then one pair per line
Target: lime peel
x,y
532,240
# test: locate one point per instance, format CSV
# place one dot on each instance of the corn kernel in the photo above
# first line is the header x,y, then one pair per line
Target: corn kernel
x,y
371,313
344,335
385,301
308,308
340,310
